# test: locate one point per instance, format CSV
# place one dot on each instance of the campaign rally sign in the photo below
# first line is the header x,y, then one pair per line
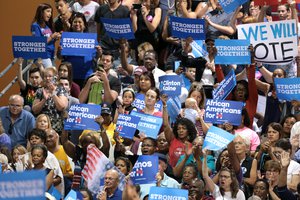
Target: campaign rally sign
x,y
27,185
82,116
174,106
78,44
145,169
29,47
221,111
230,5
139,103
126,125
232,52
198,48
274,42
185,27
167,193
149,125
287,88
216,139
170,85
118,28
225,87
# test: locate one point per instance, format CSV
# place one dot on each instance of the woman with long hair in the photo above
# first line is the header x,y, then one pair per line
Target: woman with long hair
x,y
228,184
42,26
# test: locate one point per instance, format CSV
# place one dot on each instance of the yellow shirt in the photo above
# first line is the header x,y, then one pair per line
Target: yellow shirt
x,y
63,160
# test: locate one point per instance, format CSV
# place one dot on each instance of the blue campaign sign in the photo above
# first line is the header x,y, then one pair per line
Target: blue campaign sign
x,y
149,125
225,87
126,125
145,169
216,139
232,52
170,85
167,193
185,27
78,44
230,6
287,88
139,102
198,48
54,192
118,28
72,195
221,111
27,185
29,47
174,106
82,116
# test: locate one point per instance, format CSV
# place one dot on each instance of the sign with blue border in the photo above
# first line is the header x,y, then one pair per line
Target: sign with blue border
x,y
29,47
82,117
78,44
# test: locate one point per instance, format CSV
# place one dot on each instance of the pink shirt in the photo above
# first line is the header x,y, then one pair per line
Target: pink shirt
x,y
252,135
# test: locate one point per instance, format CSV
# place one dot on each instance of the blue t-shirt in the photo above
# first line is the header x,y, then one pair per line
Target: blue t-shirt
x,y
38,31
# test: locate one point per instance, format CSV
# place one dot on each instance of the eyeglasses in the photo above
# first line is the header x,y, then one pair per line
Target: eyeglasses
x,y
10,129
15,106
223,176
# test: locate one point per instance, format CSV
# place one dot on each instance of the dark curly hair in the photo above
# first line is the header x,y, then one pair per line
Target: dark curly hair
x,y
191,129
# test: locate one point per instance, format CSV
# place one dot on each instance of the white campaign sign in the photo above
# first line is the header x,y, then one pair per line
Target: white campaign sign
x,y
274,42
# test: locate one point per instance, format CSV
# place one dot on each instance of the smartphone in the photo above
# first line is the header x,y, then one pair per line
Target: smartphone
x,y
137,6
54,80
100,67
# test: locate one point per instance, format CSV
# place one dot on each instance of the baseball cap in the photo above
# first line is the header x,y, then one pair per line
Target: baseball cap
x,y
139,70
106,109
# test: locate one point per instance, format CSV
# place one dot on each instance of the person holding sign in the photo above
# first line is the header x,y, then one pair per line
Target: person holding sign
x,y
219,22
244,91
112,10
35,80
228,184
276,110
42,26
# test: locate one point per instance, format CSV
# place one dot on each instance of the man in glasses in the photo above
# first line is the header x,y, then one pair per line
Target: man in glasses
x,y
110,189
17,122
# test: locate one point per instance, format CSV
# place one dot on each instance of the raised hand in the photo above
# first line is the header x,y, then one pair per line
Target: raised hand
x,y
285,159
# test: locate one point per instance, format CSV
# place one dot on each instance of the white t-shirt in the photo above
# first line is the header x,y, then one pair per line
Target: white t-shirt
x,y
293,169
227,196
89,12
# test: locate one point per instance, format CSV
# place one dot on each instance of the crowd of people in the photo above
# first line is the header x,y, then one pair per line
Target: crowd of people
x,y
262,162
